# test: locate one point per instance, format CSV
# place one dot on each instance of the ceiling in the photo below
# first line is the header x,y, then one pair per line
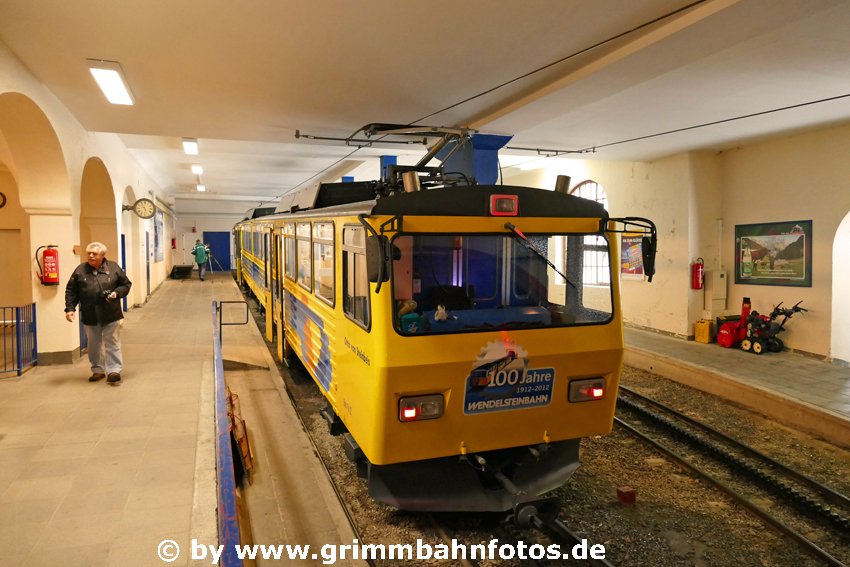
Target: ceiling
x,y
630,80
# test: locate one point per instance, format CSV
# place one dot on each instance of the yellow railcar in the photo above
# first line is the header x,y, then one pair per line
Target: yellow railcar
x,y
466,338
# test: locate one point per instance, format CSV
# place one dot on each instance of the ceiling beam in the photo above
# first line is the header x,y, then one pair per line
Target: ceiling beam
x,y
657,33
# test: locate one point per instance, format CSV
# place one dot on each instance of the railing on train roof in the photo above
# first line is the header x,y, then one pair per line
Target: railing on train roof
x,y
228,521
18,339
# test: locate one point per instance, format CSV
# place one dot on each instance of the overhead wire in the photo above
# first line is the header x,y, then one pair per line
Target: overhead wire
x,y
547,153
562,59
506,83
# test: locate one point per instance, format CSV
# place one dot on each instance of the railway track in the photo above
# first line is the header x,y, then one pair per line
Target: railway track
x,y
802,504
530,536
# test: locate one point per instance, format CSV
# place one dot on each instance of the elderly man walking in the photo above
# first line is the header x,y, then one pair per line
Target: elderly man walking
x,y
97,285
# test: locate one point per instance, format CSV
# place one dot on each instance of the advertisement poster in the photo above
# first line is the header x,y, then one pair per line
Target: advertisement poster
x,y
631,260
158,235
777,253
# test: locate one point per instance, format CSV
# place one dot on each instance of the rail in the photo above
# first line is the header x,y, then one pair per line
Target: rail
x,y
228,521
18,340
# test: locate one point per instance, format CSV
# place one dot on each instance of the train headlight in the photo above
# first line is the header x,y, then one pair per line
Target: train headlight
x,y
417,408
587,389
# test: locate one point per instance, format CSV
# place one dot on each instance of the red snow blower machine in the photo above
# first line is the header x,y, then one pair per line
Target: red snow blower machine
x,y
761,330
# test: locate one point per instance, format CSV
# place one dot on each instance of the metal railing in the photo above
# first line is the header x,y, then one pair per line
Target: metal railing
x,y
228,521
18,339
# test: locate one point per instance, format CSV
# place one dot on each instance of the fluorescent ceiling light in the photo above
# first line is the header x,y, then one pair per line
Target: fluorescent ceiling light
x,y
111,81
190,146
202,187
198,169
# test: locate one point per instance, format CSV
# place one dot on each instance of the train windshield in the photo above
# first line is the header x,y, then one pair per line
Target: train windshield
x,y
460,283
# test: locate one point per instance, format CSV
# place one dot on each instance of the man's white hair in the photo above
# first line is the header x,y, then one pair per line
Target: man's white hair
x,y
96,247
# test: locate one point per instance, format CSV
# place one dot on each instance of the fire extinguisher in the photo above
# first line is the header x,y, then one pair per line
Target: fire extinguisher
x,y
48,265
698,274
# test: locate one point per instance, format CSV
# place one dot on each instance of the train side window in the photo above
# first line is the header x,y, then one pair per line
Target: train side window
x,y
303,256
355,283
323,260
289,265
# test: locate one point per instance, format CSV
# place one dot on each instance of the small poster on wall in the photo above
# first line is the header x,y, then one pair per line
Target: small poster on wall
x,y
631,259
776,253
158,235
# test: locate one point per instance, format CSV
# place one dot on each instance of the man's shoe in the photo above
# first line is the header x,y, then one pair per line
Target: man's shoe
x,y
114,378
97,376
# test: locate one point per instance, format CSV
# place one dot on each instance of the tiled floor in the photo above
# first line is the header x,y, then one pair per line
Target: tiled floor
x,y
798,377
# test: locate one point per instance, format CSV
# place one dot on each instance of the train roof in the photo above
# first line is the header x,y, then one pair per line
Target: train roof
x,y
474,200
360,197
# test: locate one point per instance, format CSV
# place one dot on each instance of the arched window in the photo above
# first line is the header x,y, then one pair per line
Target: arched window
x,y
596,268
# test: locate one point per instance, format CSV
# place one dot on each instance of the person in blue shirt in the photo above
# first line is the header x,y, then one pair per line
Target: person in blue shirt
x,y
201,252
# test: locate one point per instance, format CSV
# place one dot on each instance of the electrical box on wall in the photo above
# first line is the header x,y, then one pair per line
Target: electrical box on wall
x,y
718,284
715,291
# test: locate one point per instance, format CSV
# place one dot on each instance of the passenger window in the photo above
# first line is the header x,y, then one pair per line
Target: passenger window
x,y
302,234
355,285
323,260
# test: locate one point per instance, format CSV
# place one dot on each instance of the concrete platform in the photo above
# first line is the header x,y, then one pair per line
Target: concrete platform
x,y
92,474
803,392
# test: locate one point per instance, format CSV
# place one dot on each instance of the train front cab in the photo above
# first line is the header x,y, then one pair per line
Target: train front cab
x,y
472,356
523,360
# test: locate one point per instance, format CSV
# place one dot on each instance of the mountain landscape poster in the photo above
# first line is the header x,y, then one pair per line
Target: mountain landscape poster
x,y
777,253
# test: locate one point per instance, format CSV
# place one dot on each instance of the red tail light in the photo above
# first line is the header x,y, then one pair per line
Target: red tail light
x,y
587,389
417,408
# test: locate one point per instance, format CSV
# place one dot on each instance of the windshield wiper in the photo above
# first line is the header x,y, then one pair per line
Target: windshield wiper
x,y
524,240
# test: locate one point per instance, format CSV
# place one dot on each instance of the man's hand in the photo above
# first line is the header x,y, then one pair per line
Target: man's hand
x,y
69,315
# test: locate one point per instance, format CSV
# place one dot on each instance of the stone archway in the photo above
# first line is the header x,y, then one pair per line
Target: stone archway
x,y
840,336
34,168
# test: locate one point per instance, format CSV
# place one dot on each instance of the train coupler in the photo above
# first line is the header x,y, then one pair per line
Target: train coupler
x,y
532,512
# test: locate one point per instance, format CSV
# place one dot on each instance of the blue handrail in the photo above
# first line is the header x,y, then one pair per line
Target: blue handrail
x,y
228,522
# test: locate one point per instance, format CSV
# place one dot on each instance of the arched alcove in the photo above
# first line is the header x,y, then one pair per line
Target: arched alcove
x,y
34,169
97,208
36,158
840,335
15,287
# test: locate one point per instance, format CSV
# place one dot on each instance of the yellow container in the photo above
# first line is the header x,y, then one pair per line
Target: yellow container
x,y
703,331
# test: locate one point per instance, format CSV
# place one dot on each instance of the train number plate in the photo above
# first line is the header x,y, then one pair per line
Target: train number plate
x,y
508,389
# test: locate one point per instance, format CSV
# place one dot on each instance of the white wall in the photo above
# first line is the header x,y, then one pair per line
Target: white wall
x,y
799,177
696,199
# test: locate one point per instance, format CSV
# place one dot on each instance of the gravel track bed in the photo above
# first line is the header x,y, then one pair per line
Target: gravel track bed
x,y
676,520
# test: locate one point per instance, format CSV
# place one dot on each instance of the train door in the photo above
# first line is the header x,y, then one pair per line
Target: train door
x,y
277,293
267,280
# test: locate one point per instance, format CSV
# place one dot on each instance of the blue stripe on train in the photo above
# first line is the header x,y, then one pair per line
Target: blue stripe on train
x,y
305,322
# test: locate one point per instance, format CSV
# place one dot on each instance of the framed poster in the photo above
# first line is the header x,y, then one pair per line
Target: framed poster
x,y
158,236
631,258
776,253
